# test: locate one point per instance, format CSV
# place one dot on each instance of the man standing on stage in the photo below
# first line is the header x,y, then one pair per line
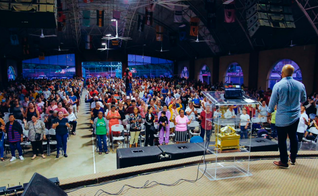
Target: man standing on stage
x,y
287,94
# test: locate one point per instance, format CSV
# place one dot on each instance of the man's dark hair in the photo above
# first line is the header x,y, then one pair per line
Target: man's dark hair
x,y
133,101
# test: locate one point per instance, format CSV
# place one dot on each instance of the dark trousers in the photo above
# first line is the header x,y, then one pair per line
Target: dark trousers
x,y
101,139
74,123
282,136
208,134
37,147
243,132
14,146
61,141
149,136
300,136
274,130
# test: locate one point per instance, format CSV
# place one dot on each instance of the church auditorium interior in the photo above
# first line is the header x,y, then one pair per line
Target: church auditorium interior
x,y
158,97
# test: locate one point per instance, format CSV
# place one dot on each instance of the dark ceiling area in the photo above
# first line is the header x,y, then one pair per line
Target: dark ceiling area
x,y
228,38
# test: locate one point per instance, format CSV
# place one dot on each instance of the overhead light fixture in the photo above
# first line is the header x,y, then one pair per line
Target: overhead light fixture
x,y
108,35
103,44
183,25
113,20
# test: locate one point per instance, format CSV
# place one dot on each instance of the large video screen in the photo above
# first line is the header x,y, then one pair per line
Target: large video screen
x,y
58,66
102,69
150,67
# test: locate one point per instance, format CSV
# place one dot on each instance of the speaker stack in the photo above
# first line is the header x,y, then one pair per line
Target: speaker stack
x,y
264,15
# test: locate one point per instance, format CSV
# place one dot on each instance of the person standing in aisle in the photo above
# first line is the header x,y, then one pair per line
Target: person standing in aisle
x,y
287,94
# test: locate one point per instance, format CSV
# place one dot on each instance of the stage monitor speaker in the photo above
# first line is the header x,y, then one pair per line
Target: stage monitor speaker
x,y
127,157
39,185
179,151
27,19
259,144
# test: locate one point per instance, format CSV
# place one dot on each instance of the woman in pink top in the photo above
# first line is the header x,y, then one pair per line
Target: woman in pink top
x,y
143,109
61,109
113,116
181,128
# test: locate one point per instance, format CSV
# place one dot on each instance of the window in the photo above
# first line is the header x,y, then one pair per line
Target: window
x,y
58,66
234,74
205,75
102,69
150,67
275,74
184,73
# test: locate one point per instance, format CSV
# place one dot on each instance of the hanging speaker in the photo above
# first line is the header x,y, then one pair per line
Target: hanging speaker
x,y
39,185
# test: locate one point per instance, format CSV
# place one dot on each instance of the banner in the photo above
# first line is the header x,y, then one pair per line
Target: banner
x,y
210,6
149,15
86,18
61,17
173,38
25,46
141,23
14,39
88,42
178,14
183,32
116,15
100,18
194,26
159,33
229,13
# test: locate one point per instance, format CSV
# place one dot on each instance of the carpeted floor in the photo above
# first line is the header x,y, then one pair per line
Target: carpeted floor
x,y
266,179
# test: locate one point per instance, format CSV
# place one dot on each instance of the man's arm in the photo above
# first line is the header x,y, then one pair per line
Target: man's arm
x,y
273,101
303,95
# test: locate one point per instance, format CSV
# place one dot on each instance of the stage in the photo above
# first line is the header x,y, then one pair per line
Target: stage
x,y
267,179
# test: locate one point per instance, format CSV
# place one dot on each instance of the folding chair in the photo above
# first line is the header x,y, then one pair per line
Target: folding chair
x,y
120,129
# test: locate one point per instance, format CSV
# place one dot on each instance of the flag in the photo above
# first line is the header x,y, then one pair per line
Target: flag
x,y
100,18
173,39
141,23
88,42
88,1
178,14
159,33
210,6
149,15
25,46
86,18
194,26
183,32
61,17
229,13
116,15
14,39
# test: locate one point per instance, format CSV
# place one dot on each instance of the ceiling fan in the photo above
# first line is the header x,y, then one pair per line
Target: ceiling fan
x,y
109,37
291,44
105,47
61,50
200,41
42,35
162,50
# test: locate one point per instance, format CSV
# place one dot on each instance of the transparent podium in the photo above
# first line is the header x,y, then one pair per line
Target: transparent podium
x,y
231,123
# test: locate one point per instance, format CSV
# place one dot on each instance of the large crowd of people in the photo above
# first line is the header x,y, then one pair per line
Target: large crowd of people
x,y
156,111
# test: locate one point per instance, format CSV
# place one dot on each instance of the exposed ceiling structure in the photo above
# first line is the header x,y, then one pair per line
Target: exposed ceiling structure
x,y
223,39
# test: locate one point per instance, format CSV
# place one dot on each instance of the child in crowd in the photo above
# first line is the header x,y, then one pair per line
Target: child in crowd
x,y
163,121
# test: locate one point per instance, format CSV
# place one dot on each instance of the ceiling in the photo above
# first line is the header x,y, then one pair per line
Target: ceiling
x,y
228,38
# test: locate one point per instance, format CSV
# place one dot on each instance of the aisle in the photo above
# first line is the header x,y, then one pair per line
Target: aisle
x,y
81,159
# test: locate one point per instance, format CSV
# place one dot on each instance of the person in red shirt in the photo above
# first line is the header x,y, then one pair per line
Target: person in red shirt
x,y
206,123
94,91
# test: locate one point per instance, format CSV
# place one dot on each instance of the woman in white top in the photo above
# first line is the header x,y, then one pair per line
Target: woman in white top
x,y
244,123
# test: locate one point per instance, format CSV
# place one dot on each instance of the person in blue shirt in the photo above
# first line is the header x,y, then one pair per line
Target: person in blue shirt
x,y
196,102
287,95
74,99
164,92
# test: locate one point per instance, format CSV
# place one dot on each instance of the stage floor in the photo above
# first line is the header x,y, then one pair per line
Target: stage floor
x,y
266,179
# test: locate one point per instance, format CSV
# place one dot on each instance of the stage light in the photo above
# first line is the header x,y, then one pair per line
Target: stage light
x,y
108,35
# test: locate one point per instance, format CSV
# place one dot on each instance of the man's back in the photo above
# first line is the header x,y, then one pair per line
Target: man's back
x,y
287,95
